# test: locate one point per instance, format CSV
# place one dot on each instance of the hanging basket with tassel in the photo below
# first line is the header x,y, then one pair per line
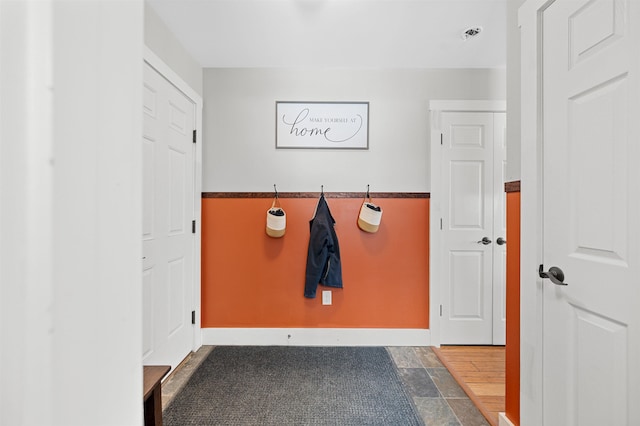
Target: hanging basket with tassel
x,y
276,218
370,215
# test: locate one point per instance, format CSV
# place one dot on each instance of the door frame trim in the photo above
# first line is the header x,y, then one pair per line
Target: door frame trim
x,y
172,77
436,107
531,215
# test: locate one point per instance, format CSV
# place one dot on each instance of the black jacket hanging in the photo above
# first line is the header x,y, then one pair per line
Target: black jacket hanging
x,y
323,256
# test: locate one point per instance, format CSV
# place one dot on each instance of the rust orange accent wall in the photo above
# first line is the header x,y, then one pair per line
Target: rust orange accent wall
x,y
512,349
252,280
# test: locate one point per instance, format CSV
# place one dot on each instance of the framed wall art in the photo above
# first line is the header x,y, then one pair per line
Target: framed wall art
x,y
322,125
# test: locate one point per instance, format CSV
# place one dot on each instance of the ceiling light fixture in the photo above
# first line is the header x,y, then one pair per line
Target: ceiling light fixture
x,y
471,32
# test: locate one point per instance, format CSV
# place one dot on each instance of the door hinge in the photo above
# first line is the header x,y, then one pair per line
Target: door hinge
x,y
194,136
440,310
441,137
193,317
193,226
441,224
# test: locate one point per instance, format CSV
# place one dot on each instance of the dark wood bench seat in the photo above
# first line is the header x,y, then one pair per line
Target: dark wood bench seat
x,y
152,392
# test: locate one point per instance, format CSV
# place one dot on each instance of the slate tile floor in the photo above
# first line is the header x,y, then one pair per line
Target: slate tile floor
x,y
436,394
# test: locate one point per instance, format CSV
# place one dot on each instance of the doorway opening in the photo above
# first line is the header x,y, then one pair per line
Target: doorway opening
x,y
468,222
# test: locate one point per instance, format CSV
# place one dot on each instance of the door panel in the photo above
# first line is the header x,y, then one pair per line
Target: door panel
x,y
591,325
467,158
176,295
148,183
467,199
595,116
147,311
467,286
177,177
168,200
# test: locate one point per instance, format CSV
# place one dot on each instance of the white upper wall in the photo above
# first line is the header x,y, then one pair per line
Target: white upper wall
x,y
163,43
239,151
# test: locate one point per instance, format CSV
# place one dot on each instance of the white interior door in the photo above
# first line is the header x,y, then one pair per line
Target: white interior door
x,y
591,137
168,210
472,217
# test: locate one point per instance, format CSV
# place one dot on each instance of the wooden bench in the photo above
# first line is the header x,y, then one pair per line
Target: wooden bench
x,y
152,391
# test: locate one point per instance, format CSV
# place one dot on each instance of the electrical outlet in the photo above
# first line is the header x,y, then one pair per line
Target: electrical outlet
x,y
326,297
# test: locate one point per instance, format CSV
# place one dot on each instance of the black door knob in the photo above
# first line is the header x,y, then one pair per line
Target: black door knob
x,y
554,273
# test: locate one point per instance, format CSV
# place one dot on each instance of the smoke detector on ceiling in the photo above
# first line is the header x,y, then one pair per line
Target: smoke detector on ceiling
x,y
471,32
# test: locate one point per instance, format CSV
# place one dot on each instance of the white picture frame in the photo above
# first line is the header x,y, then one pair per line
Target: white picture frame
x,y
322,125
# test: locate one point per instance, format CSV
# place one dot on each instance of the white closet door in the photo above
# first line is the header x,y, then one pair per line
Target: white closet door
x,y
591,325
467,224
168,194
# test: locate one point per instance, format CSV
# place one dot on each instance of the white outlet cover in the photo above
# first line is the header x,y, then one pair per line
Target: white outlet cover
x,y
326,297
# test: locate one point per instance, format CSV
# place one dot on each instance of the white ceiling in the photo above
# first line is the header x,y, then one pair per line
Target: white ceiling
x,y
338,33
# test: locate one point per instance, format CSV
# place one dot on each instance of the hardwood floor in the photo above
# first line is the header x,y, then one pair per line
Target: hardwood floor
x,y
479,370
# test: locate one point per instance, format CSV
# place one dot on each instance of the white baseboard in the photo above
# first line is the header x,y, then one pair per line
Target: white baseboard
x,y
504,421
316,337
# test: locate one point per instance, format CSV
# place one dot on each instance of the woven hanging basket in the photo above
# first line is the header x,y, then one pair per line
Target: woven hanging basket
x,y
276,220
370,217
